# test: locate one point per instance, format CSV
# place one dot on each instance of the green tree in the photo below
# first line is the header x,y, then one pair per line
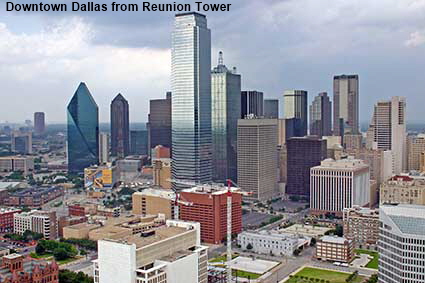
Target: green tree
x,y
67,276
60,254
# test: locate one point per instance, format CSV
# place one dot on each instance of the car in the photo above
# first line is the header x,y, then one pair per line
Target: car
x,y
344,264
337,263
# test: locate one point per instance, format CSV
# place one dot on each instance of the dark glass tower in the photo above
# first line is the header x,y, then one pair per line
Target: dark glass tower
x,y
120,135
139,142
83,130
271,108
321,116
159,125
251,103
295,106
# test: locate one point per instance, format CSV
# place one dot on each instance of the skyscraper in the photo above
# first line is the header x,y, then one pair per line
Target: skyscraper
x,y
83,130
346,104
159,122
303,153
139,142
295,106
388,128
257,157
252,103
120,124
191,98
321,115
39,123
271,108
22,142
225,109
103,148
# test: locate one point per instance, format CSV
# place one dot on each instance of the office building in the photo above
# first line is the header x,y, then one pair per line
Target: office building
x,y
257,157
353,141
159,122
272,243
139,142
6,219
225,112
403,190
42,222
167,254
346,104
321,115
208,206
159,152
289,128
389,130
333,248
103,148
415,148
162,172
361,225
191,99
83,130
120,127
154,202
339,184
16,268
39,123
24,164
303,153
401,244
252,103
271,108
295,106
22,142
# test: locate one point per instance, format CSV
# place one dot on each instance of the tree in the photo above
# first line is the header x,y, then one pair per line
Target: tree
x,y
60,254
313,242
67,276
39,249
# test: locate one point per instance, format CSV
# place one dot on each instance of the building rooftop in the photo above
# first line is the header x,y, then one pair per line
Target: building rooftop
x,y
347,163
9,185
410,219
211,189
334,239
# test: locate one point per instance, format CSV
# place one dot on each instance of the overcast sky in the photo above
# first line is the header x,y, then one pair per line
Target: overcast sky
x,y
275,45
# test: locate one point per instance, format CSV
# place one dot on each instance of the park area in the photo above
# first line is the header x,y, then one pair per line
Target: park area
x,y
373,263
309,275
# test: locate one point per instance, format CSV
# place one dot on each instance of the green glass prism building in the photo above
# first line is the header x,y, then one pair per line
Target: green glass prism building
x,y
83,130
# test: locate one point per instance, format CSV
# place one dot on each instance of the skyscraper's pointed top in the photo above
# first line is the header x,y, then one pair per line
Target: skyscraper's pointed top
x,y
119,97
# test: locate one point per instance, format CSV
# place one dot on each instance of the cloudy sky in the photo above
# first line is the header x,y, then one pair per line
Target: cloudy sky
x,y
275,45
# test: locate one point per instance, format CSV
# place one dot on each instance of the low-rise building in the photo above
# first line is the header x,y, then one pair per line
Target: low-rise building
x,y
403,190
306,230
334,248
271,242
65,221
171,253
361,225
6,219
24,164
108,212
43,222
154,201
34,197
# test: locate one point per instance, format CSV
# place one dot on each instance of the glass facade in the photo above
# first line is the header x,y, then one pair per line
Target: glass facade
x,y
271,108
295,106
120,127
159,125
225,112
83,130
321,115
252,104
139,142
191,98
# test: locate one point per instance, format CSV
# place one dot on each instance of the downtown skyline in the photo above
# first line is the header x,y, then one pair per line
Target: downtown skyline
x,y
81,41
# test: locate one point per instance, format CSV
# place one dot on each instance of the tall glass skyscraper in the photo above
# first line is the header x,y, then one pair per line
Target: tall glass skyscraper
x,y
226,106
83,130
191,98
120,127
295,106
252,103
346,104
321,116
159,125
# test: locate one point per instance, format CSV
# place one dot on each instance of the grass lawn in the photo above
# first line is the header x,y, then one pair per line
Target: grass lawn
x,y
222,258
68,260
373,263
245,274
50,257
327,275
45,256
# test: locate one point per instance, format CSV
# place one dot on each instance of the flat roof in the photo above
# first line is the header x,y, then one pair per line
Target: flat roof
x,y
190,13
334,239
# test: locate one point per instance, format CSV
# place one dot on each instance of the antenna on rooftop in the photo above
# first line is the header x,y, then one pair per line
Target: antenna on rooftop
x,y
220,58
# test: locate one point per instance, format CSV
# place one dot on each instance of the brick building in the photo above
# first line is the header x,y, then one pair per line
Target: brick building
x,y
333,248
34,197
15,269
208,206
6,219
361,225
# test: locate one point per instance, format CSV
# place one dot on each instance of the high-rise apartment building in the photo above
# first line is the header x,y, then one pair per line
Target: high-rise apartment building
x,y
321,115
252,104
83,130
271,108
170,253
22,142
303,153
120,127
339,184
415,147
139,142
361,225
39,123
389,130
225,112
346,104
295,106
257,157
159,122
191,99
401,244
403,190
208,206
103,148
42,222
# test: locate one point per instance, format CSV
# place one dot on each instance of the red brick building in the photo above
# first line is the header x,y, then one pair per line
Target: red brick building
x,y
76,210
208,206
6,219
15,269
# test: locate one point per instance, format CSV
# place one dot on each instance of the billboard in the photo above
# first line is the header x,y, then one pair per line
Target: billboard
x,y
98,178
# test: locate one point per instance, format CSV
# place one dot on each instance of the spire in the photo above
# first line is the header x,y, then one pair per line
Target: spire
x,y
220,58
